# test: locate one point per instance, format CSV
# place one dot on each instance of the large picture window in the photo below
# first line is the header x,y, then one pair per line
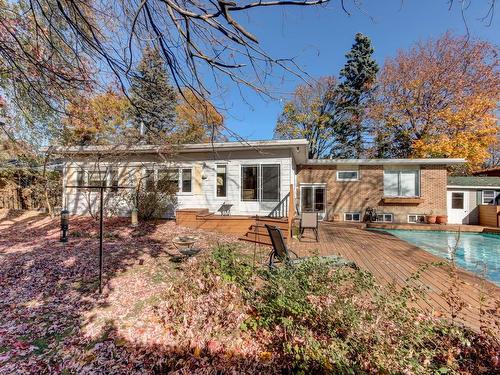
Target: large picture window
x,y
260,182
401,183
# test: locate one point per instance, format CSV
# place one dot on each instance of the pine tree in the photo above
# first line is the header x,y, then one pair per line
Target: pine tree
x,y
357,81
153,98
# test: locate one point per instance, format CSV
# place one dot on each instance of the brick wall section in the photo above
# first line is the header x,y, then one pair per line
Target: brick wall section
x,y
368,191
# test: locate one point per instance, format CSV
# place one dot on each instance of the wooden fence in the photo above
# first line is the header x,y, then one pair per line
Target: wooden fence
x,y
10,197
489,216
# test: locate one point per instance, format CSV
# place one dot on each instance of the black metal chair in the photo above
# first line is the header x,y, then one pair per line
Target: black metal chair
x,y
225,209
281,253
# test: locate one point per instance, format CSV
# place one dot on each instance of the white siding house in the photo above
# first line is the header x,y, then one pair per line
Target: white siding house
x,y
251,176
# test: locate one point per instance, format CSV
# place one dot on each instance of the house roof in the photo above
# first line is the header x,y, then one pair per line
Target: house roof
x,y
298,147
473,181
435,161
486,171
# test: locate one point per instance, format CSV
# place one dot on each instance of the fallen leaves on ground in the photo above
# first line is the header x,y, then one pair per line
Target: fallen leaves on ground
x,y
52,320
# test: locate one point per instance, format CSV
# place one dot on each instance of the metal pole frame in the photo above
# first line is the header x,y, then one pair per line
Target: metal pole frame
x,y
101,221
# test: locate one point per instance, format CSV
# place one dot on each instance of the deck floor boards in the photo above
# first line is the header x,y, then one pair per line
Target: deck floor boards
x,y
391,259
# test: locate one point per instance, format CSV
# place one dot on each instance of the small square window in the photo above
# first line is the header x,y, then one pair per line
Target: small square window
x,y
352,216
385,218
347,175
416,219
489,196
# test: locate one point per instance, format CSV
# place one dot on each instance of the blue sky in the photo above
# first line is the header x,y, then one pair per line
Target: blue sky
x,y
319,37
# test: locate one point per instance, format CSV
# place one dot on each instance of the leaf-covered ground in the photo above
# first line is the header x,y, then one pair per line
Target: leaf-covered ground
x,y
214,313
52,320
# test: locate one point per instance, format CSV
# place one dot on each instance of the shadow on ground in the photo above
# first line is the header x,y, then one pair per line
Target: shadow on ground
x,y
52,320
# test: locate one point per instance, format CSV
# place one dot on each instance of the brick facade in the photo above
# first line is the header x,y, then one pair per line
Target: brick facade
x,y
368,191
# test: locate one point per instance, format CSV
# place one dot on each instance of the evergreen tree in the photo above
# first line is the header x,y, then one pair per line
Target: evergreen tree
x,y
153,98
357,81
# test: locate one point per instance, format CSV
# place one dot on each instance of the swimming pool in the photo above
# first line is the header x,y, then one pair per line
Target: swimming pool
x,y
475,250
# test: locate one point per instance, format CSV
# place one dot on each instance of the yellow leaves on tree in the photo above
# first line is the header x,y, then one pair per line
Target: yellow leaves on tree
x,y
198,120
98,119
306,116
439,100
470,132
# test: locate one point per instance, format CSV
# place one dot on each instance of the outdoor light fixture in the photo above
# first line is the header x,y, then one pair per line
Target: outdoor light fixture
x,y
64,225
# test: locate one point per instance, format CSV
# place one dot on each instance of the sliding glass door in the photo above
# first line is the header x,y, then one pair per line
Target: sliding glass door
x,y
313,199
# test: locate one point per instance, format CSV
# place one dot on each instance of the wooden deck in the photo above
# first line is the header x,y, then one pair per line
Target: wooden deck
x,y
391,259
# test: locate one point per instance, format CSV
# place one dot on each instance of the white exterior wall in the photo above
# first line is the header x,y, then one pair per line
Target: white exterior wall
x,y
203,193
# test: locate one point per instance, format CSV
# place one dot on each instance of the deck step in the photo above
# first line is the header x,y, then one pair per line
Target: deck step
x,y
261,239
283,225
262,230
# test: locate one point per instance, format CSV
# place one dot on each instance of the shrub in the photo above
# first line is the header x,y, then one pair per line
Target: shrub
x,y
338,320
155,200
231,266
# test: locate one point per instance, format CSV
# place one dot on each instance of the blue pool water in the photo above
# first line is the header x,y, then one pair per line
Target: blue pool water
x,y
476,252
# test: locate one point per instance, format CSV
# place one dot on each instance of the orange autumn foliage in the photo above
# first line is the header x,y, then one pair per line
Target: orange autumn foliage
x,y
98,119
439,100
198,119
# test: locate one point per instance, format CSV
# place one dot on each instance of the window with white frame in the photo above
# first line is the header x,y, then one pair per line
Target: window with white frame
x,y
401,183
178,178
489,197
260,182
186,180
416,218
221,183
347,175
352,216
385,218
97,177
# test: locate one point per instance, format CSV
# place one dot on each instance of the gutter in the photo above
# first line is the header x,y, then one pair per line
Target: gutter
x,y
436,161
493,187
194,147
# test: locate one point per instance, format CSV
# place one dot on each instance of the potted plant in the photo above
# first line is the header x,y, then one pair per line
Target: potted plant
x,y
430,219
441,219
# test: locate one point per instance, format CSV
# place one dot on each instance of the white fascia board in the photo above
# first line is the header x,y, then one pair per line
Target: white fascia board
x,y
437,161
473,187
193,147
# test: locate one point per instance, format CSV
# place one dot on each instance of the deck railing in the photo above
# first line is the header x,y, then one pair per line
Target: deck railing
x,y
286,209
281,209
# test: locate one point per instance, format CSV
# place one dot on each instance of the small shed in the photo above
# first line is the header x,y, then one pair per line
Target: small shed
x,y
465,196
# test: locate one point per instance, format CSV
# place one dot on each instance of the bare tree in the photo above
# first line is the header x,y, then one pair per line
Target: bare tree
x,y
50,49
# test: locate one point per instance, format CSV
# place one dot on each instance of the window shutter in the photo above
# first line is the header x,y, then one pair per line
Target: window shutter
x,y
197,180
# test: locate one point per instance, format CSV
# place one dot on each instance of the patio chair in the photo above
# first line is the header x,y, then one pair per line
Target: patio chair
x,y
225,209
308,220
282,254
